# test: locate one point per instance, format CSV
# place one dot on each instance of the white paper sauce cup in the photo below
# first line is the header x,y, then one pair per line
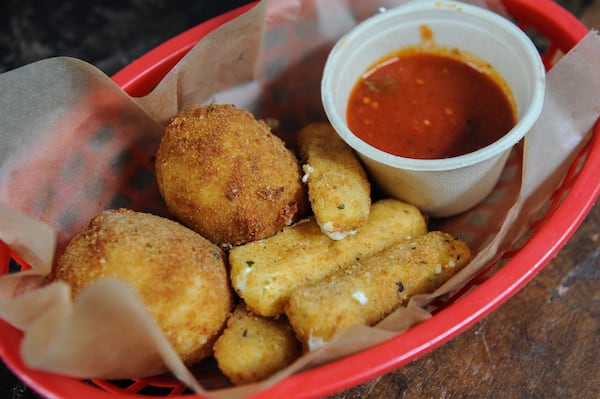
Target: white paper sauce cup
x,y
440,187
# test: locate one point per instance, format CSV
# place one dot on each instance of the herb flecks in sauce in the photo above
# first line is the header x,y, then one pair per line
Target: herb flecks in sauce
x,y
430,102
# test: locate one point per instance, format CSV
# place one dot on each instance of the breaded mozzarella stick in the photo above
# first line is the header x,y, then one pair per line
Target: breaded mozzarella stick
x,y
338,189
265,272
368,290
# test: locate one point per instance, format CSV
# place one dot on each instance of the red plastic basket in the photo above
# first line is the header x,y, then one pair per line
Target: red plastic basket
x,y
569,206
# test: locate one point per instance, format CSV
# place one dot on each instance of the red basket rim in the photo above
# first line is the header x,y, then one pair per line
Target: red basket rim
x,y
139,77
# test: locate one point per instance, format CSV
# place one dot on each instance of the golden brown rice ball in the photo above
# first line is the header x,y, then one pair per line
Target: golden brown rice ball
x,y
180,277
227,176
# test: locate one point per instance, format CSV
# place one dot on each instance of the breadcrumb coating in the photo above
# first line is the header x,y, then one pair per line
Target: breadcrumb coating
x,y
265,272
253,348
224,174
180,277
368,290
338,188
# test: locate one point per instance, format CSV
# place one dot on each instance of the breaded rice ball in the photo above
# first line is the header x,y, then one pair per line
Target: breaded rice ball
x,y
224,174
180,276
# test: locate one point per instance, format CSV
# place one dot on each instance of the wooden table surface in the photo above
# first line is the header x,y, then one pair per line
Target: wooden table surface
x,y
542,343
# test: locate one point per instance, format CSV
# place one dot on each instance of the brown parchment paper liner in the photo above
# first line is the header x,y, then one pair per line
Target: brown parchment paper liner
x,y
73,143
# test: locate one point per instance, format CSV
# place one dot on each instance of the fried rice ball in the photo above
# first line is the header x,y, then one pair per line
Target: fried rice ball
x,y
224,174
180,276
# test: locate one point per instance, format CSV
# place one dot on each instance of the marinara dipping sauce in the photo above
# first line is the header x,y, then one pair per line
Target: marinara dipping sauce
x,y
430,104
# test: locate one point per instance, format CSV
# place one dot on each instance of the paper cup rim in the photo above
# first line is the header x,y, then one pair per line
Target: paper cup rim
x,y
506,142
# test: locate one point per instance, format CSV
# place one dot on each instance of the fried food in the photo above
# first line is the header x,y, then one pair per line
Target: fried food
x,y
264,273
338,189
252,348
225,175
180,277
371,288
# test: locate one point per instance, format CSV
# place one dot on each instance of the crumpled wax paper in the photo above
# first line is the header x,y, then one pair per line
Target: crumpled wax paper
x,y
73,143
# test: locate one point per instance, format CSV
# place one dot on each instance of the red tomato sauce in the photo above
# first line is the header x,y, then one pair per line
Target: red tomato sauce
x,y
429,106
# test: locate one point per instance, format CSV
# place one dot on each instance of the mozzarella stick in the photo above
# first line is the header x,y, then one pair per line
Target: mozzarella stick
x,y
265,272
338,189
252,348
368,290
